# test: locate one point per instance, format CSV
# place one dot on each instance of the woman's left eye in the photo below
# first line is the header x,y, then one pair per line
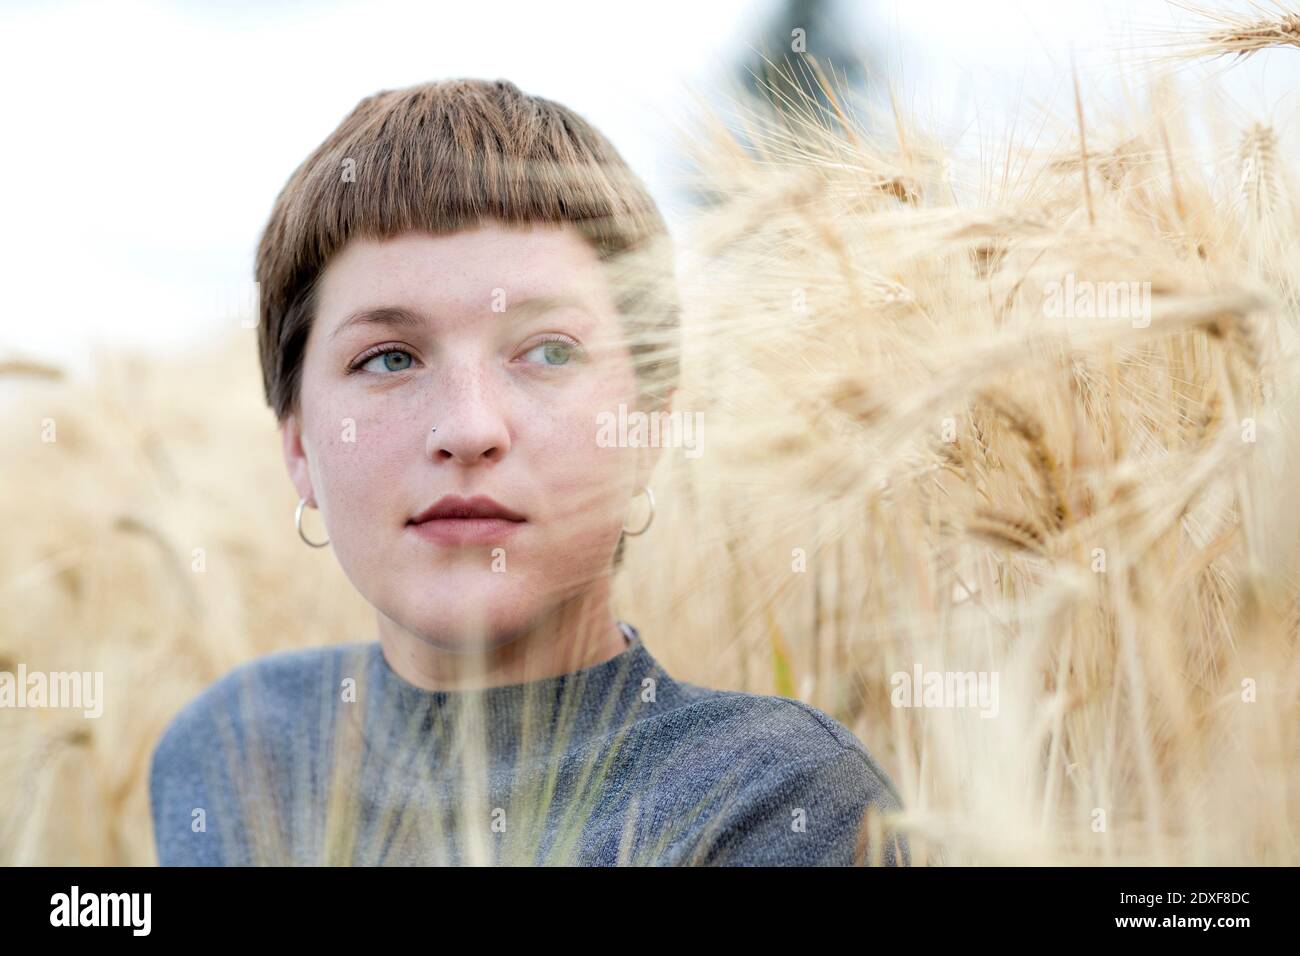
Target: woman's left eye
x,y
556,352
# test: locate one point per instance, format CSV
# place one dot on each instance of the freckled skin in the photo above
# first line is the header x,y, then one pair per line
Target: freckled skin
x,y
515,422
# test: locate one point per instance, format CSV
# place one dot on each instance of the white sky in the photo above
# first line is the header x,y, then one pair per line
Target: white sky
x,y
146,141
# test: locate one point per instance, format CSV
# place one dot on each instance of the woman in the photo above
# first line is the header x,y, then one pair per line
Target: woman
x,y
454,287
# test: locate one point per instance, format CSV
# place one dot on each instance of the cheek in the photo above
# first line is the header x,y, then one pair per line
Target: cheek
x,y
358,457
588,485
583,480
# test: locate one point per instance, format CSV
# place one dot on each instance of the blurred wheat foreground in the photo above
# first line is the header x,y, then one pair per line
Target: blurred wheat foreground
x,y
1030,418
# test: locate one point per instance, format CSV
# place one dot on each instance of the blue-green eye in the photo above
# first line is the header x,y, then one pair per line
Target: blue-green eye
x,y
391,360
555,352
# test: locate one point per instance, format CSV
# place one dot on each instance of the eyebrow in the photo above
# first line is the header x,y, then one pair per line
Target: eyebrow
x,y
396,317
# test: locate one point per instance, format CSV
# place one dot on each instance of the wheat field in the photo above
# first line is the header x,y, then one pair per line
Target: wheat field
x,y
1032,413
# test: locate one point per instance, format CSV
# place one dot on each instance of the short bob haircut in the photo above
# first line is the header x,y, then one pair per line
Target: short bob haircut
x,y
444,156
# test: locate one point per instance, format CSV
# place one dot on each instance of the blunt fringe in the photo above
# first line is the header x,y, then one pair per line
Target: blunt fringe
x,y
444,156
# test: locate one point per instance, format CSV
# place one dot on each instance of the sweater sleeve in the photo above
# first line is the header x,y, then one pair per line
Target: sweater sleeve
x,y
810,812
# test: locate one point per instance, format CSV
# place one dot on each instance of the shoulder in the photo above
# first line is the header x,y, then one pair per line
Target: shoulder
x,y
201,758
762,762
266,689
788,730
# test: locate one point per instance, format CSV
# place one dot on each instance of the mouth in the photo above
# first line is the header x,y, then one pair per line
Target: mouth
x,y
480,520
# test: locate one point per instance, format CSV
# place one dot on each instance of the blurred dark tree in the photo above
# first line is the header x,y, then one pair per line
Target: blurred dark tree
x,y
798,51
804,46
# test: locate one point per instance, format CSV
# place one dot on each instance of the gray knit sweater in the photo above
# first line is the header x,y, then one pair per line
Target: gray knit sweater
x,y
327,756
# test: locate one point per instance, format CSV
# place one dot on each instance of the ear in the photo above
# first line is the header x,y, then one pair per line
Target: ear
x,y
295,458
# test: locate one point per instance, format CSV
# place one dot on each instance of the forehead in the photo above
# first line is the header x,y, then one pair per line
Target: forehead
x,y
465,270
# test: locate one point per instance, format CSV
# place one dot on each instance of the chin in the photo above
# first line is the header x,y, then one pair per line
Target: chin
x,y
467,610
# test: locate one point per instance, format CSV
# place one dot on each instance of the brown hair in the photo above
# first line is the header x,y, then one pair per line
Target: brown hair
x,y
444,156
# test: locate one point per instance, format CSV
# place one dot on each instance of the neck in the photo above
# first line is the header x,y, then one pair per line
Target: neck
x,y
577,633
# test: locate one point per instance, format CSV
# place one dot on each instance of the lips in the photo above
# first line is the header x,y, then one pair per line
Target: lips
x,y
455,507
454,520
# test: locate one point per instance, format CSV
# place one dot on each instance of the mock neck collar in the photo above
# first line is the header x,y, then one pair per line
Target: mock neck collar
x,y
591,696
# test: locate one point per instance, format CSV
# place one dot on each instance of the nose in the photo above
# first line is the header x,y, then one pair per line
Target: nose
x,y
470,426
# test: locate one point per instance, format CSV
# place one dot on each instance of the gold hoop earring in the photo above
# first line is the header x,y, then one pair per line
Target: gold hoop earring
x,y
297,520
650,497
